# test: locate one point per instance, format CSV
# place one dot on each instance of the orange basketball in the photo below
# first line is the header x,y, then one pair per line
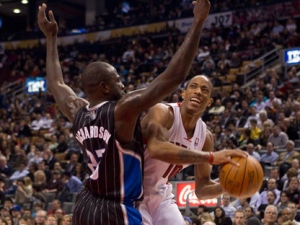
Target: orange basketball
x,y
242,181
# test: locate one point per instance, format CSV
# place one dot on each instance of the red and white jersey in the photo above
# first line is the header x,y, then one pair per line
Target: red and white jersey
x,y
156,172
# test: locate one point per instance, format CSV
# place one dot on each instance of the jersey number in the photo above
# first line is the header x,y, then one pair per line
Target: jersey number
x,y
94,165
172,171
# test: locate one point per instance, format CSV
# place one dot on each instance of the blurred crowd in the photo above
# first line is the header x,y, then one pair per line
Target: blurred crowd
x,y
42,166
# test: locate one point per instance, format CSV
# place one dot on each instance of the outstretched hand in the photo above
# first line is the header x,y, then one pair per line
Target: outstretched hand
x,y
48,27
225,156
201,10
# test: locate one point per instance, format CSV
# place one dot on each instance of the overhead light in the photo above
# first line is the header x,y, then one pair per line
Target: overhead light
x,y
16,11
24,1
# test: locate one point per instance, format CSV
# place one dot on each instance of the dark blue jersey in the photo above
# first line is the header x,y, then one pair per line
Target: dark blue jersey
x,y
115,170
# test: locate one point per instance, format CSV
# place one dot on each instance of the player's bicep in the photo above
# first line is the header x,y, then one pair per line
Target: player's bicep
x,y
67,101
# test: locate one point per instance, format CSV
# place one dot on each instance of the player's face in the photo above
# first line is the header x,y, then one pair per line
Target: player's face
x,y
196,97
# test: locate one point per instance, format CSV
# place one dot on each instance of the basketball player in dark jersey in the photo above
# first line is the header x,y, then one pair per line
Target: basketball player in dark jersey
x,y
107,124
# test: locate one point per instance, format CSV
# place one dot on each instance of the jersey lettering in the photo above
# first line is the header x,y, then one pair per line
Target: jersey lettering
x,y
94,163
172,171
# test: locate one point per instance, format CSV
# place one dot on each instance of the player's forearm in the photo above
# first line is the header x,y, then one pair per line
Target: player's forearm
x,y
53,68
208,191
174,154
182,60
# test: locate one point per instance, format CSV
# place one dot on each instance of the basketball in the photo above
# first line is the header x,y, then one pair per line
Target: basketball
x,y
242,181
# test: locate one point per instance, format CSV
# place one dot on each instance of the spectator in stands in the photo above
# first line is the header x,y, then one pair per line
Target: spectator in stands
x,y
263,117
5,169
41,217
270,215
55,204
73,183
34,156
272,186
15,213
206,217
270,156
37,195
290,130
66,220
245,139
253,115
252,152
287,217
293,189
49,159
294,171
215,80
239,217
259,104
71,166
37,207
235,61
37,123
271,197
22,194
62,145
40,179
80,172
255,130
24,129
264,137
18,156
201,209
284,200
51,220
46,171
220,217
289,155
229,209
294,208
59,213
55,184
20,173
250,217
278,138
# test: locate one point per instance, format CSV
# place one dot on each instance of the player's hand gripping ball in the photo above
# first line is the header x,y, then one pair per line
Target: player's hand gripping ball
x,y
242,181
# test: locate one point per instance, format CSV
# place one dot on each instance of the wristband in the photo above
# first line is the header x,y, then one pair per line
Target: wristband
x,y
211,158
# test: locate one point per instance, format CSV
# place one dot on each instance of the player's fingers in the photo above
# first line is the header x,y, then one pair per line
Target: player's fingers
x,y
233,162
51,16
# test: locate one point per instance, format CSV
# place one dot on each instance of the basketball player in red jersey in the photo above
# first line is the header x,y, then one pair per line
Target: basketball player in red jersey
x,y
107,125
179,124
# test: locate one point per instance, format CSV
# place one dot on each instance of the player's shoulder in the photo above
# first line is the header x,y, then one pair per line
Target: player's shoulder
x,y
73,104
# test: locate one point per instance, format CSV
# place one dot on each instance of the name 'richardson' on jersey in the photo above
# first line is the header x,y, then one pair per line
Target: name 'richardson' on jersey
x,y
93,132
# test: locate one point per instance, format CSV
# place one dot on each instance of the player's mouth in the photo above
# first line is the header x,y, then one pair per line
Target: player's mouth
x,y
196,100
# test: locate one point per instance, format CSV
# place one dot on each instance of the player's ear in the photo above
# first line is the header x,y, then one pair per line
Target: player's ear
x,y
104,87
211,100
182,94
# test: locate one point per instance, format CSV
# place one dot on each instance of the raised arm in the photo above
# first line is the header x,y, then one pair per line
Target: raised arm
x,y
64,96
131,105
155,127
